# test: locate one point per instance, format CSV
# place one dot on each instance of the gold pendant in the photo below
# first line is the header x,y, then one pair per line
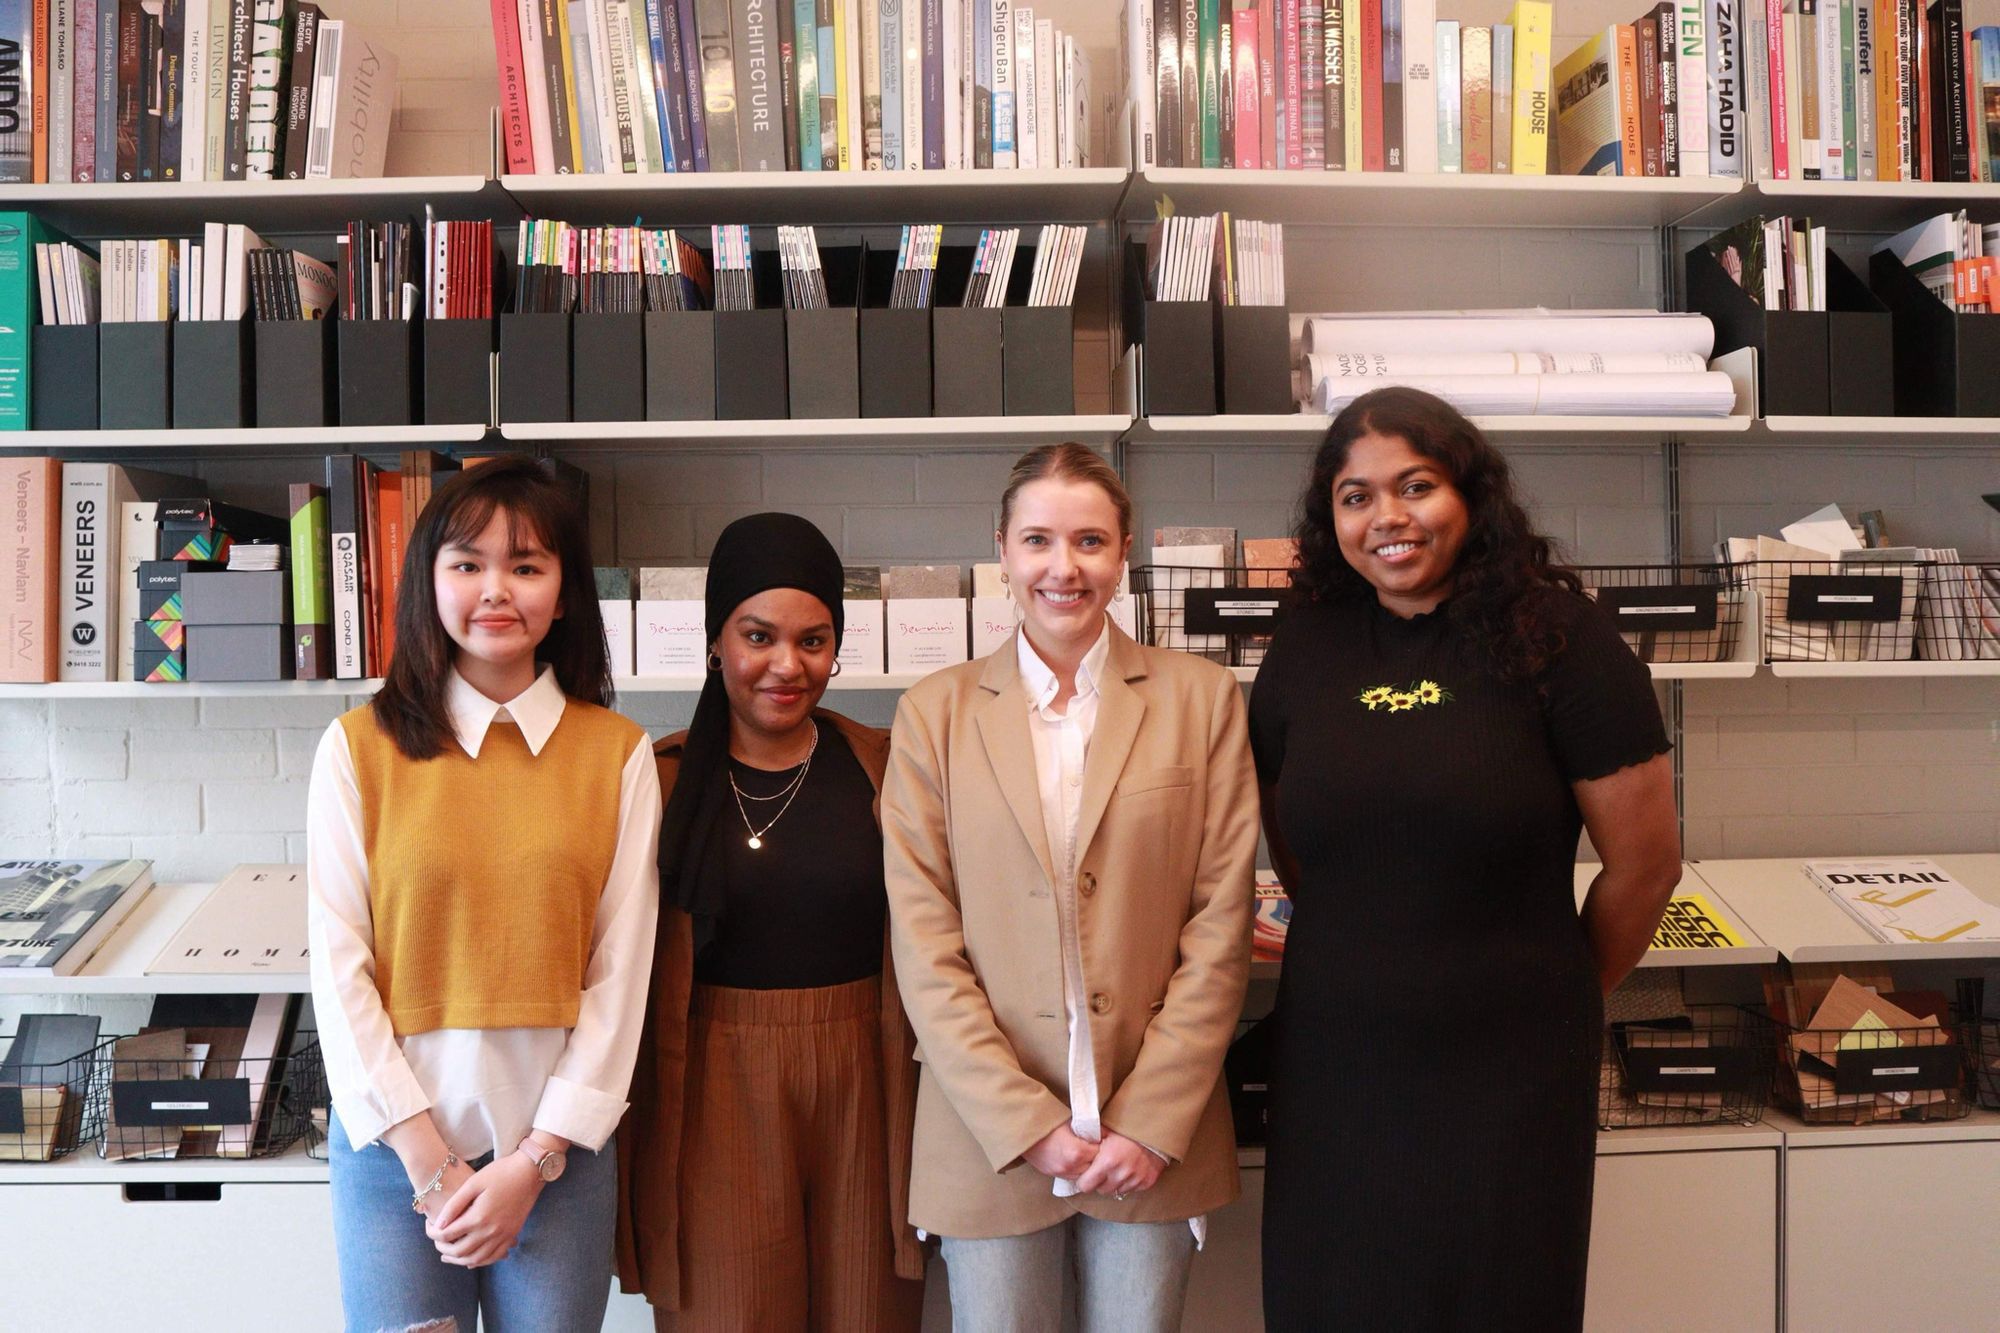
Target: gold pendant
x,y
755,842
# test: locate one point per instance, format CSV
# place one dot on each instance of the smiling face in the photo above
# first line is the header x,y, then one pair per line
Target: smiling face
x,y
497,595
1400,522
1062,552
777,655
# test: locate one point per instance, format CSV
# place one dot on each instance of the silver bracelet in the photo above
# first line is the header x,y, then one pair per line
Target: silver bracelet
x,y
435,1185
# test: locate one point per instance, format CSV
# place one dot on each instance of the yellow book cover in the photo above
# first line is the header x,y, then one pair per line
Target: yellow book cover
x,y
844,83
1350,83
1533,22
569,92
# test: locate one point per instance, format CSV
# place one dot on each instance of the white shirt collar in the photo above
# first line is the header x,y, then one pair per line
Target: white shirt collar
x,y
1041,682
535,710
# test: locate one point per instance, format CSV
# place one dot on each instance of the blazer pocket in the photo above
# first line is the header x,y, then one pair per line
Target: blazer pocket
x,y
1155,779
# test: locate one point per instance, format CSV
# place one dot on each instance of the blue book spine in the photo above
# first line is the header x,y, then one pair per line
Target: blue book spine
x,y
691,71
663,100
805,22
17,131
892,84
586,86
933,85
829,91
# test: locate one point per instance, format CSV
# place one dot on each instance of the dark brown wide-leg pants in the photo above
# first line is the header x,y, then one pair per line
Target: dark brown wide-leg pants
x,y
784,1179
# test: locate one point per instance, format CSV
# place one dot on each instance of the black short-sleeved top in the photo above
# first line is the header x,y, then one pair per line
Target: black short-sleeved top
x,y
809,907
1433,1112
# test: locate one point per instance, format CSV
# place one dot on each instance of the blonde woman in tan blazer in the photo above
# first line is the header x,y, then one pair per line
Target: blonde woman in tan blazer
x,y
1070,832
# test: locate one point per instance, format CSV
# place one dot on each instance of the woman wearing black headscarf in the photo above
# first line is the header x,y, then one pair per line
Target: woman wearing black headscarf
x,y
764,1164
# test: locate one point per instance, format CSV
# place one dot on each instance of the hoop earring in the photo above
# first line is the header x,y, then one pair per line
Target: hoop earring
x,y
1003,576
714,662
836,669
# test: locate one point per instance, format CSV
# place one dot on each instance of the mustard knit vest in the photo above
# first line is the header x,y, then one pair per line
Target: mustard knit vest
x,y
484,874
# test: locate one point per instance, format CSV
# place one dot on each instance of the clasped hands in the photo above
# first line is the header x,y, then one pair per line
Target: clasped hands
x,y
1116,1167
476,1217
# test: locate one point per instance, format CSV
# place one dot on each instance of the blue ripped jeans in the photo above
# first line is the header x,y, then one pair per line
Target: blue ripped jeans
x,y
558,1276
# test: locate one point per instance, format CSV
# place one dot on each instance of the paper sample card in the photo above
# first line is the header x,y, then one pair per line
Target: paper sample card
x,y
926,633
670,638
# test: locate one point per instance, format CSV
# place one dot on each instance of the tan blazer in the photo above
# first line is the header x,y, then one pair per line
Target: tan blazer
x,y
647,1240
1167,845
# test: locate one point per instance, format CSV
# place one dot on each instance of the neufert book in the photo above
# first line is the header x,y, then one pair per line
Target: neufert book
x,y
55,915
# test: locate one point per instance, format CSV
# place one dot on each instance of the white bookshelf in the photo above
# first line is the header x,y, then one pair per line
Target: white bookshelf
x,y
1754,952
119,967
1882,670
870,433
166,208
191,689
1777,899
1885,206
1090,194
85,1167
332,439
1340,198
1307,429
1980,1126
1689,1138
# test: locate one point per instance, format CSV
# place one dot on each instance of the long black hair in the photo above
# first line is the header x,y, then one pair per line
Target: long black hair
x,y
1506,570
410,706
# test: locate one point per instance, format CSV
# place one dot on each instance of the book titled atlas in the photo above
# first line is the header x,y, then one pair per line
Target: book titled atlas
x,y
56,914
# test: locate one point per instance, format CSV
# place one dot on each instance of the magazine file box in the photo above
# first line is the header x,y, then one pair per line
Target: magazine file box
x,y
458,372
211,374
607,367
895,346
63,393
1947,364
750,368
378,360
534,368
1176,342
1254,351
294,372
680,365
966,362
1040,359
1791,344
1860,346
822,347
140,395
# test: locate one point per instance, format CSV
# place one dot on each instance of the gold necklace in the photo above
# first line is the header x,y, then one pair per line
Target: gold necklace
x,y
790,790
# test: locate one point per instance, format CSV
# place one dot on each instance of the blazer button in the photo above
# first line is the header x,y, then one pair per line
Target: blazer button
x,y
1100,1003
1087,885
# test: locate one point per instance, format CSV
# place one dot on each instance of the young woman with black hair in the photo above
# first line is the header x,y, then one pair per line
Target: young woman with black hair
x,y
1433,727
480,856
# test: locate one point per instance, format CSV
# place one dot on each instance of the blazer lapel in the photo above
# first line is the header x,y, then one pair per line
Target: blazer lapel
x,y
1003,729
1120,709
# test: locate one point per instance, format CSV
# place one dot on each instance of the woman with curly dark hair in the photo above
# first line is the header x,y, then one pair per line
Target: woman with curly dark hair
x,y
1434,726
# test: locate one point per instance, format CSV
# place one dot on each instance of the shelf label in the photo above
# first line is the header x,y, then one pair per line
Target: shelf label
x,y
1836,597
1650,609
145,1103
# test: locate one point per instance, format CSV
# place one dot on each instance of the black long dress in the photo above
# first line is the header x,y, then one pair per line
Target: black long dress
x,y
1432,1121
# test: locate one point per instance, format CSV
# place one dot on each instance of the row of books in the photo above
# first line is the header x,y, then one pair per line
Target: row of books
x,y
191,90
1234,261
122,572
637,86
1337,85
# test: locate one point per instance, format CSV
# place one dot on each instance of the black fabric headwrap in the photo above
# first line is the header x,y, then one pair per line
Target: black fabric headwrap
x,y
753,555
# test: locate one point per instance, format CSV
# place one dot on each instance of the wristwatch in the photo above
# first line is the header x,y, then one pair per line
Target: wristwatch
x,y
548,1161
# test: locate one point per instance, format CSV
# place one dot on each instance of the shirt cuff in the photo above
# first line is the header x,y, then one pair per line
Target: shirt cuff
x,y
366,1117
584,1116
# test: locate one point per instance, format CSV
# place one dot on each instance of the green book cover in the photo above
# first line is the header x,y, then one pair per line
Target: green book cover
x,y
805,19
1211,83
1849,157
312,599
19,310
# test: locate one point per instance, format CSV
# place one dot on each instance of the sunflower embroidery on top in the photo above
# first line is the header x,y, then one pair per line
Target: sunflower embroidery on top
x,y
1422,694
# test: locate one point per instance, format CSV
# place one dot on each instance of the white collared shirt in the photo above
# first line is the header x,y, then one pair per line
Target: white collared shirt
x,y
484,1087
1062,744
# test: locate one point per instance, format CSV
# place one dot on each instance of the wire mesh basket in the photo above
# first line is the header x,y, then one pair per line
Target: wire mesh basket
x,y
1859,1076
1223,613
1982,1060
1958,612
1672,613
203,1101
1713,1066
48,1106
1854,609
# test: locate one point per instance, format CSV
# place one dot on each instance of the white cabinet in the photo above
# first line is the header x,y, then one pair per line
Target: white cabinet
x,y
1685,1240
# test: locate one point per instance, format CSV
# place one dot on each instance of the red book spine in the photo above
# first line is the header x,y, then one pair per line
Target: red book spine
x,y
1267,84
1295,152
1921,123
1781,159
1244,65
1372,157
513,88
